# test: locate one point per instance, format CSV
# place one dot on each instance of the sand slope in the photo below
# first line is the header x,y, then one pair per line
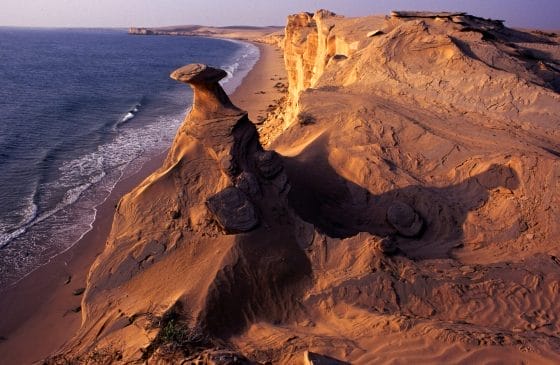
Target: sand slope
x,y
411,215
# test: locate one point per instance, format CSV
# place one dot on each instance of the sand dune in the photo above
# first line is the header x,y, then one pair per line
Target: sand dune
x,y
405,209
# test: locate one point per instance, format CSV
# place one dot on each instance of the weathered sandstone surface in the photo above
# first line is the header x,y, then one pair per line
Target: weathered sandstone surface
x,y
407,206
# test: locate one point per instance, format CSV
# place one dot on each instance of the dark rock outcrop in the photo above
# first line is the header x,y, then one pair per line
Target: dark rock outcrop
x,y
249,184
233,211
269,164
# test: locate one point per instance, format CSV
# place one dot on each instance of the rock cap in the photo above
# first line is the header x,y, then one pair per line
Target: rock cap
x,y
198,73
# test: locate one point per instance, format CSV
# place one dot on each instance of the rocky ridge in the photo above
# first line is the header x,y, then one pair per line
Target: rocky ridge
x,y
269,35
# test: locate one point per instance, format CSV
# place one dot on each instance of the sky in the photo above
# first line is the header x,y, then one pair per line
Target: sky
x,y
543,14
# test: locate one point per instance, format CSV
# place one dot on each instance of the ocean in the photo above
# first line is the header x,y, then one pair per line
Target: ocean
x,y
79,111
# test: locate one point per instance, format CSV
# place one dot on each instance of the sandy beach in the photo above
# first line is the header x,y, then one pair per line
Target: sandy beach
x,y
42,311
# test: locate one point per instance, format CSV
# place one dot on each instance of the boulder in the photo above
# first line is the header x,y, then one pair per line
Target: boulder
x,y
404,219
232,210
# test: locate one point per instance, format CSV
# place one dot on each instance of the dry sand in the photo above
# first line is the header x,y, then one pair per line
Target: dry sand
x,y
260,90
37,316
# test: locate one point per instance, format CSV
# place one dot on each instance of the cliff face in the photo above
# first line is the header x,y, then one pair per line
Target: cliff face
x,y
311,42
410,210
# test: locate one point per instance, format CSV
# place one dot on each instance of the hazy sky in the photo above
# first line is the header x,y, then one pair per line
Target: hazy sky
x,y
124,13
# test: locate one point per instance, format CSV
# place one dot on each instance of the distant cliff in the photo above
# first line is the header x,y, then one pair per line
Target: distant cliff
x,y
270,35
140,31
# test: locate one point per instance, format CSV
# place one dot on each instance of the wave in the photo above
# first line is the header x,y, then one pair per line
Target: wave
x,y
127,117
131,113
86,181
70,197
28,214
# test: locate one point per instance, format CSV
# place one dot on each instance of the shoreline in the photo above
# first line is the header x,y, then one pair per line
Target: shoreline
x,y
44,302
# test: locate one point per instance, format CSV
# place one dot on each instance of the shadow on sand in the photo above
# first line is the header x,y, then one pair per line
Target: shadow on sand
x,y
340,208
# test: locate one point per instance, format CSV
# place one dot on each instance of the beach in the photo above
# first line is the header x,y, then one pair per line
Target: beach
x,y
41,312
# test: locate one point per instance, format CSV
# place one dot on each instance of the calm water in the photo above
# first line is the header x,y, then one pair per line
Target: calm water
x,y
78,110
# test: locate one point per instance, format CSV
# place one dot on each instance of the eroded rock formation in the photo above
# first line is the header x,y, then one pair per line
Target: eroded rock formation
x,y
200,249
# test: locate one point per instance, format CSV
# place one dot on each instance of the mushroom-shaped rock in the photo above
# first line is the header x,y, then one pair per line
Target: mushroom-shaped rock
x,y
269,164
210,100
233,211
405,220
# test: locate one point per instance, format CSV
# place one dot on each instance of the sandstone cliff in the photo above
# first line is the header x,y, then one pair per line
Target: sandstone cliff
x,y
410,210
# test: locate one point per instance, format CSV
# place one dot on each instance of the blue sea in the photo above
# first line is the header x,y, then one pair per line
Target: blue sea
x,y
79,111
